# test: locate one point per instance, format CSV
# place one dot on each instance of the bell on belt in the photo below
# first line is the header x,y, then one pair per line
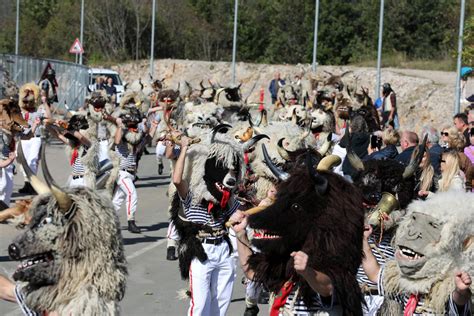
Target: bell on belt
x,y
387,204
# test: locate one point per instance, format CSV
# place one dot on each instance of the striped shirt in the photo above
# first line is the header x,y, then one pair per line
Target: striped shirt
x,y
402,298
20,298
78,168
382,252
200,215
127,157
298,307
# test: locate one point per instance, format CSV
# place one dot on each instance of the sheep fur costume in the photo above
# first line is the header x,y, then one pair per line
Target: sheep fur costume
x,y
445,224
225,151
82,266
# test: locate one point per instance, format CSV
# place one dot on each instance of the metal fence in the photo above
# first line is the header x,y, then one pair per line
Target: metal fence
x,y
73,79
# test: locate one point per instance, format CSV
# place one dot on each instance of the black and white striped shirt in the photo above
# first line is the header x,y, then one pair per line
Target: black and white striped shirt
x,y
20,298
298,308
383,252
200,215
127,157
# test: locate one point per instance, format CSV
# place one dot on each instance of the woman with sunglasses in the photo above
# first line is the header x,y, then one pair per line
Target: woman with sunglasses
x,y
452,178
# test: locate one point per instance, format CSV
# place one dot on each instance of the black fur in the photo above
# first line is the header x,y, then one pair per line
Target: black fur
x,y
327,227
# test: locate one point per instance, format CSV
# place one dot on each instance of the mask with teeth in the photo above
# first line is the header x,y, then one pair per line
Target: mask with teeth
x,y
434,240
319,214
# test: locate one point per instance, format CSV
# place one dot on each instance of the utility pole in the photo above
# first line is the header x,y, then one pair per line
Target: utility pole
x,y
152,52
379,50
315,41
458,72
82,30
17,37
234,43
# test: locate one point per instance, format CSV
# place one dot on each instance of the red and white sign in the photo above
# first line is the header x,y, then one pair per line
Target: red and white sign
x,y
76,47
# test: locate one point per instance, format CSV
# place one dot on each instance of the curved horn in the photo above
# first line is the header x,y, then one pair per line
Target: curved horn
x,y
202,87
294,118
326,145
217,129
284,153
415,160
329,162
320,182
39,186
280,174
253,141
354,160
64,201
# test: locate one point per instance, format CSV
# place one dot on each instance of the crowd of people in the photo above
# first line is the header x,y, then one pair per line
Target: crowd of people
x,y
215,216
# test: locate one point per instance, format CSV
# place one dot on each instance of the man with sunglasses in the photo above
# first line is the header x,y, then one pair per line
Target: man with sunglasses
x,y
460,122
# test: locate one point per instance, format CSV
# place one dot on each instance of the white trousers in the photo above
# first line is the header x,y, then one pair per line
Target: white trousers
x,y
103,150
172,235
211,282
31,149
79,182
6,183
126,191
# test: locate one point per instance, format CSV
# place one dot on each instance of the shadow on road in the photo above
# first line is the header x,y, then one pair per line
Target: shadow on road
x,y
154,227
151,184
140,239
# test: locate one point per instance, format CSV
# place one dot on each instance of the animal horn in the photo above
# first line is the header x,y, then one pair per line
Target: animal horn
x,y
251,142
294,118
202,87
217,129
284,153
354,160
326,145
329,162
280,174
415,160
39,186
320,182
64,201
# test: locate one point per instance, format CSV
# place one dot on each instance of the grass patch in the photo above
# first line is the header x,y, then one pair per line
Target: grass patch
x,y
400,60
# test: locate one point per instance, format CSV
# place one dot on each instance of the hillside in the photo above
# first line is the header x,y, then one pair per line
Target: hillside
x,y
424,97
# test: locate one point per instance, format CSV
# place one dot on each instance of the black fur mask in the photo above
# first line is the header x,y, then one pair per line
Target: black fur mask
x,y
328,227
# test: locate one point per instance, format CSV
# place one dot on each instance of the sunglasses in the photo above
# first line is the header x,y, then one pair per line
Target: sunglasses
x,y
444,134
443,160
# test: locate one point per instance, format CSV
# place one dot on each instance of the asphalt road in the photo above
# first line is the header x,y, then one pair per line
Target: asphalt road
x,y
153,282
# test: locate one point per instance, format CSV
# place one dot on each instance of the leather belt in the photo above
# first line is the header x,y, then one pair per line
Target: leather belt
x,y
131,171
213,241
77,177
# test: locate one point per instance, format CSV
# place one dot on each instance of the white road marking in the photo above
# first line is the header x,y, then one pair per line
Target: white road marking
x,y
146,249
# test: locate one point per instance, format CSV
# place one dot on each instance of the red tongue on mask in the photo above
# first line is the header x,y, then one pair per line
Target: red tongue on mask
x,y
225,198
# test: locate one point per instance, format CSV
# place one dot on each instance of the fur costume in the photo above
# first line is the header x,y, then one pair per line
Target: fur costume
x,y
8,87
216,158
71,265
94,119
320,214
29,96
444,225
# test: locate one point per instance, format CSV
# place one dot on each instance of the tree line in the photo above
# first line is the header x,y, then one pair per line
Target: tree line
x,y
269,31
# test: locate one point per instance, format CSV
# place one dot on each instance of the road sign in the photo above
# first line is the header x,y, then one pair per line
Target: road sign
x,y
76,47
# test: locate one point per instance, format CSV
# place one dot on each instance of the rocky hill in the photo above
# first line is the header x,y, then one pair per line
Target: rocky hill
x,y
424,97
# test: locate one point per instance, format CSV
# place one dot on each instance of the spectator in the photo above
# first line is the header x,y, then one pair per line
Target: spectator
x,y
469,150
99,83
452,178
444,137
390,139
456,143
360,139
408,142
426,180
460,122
389,107
275,86
433,145
110,88
465,73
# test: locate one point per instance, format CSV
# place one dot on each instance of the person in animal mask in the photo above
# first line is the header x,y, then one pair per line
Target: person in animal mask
x,y
127,141
211,279
389,107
